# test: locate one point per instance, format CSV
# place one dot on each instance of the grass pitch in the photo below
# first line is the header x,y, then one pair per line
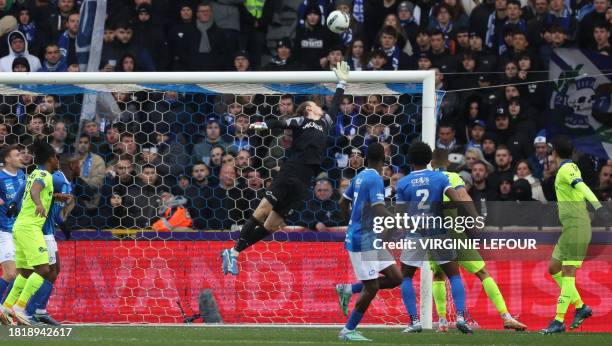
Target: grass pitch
x,y
228,336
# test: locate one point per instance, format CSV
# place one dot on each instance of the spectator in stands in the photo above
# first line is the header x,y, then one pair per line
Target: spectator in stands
x,y
357,57
442,22
67,40
423,40
334,56
286,106
313,40
393,21
182,41
241,139
37,33
504,190
557,38
149,155
96,138
284,59
57,13
18,47
92,166
54,61
201,151
560,14
378,61
536,160
481,192
489,146
58,138
118,178
503,166
524,171
471,156
405,14
199,175
396,58
477,131
123,44
227,17
243,161
355,163
127,63
446,139
142,199
242,62
496,21
601,36
322,211
212,45
21,64
254,180
37,130
227,177
149,34
587,25
115,214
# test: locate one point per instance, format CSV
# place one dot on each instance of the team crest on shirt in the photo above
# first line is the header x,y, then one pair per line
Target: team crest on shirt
x,y
42,249
420,181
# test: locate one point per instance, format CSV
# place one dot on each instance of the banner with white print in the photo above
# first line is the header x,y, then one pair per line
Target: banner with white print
x,y
580,103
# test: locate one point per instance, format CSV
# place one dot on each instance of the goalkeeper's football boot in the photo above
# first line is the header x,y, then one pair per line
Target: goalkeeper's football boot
x,y
443,325
463,327
581,314
344,297
512,323
414,327
46,319
351,335
554,327
230,262
6,316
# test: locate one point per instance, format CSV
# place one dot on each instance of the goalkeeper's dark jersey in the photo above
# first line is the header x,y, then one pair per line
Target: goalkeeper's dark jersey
x,y
309,136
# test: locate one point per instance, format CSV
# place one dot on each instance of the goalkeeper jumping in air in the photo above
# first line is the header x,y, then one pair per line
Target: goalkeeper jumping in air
x,y
289,189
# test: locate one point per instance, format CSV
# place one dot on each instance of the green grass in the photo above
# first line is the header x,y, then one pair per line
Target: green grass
x,y
179,335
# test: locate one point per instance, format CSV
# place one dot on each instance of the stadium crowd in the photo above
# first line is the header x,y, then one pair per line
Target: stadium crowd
x,y
166,152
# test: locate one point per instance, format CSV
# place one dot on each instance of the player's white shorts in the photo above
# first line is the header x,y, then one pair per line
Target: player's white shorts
x,y
419,257
51,248
7,247
368,264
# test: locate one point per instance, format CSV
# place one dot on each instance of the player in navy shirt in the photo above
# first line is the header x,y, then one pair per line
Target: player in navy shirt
x,y
367,194
11,179
423,191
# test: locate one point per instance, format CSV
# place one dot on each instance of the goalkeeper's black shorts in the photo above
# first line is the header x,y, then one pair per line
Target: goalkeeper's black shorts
x,y
289,189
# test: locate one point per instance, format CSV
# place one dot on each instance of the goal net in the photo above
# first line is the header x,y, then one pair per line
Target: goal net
x,y
165,171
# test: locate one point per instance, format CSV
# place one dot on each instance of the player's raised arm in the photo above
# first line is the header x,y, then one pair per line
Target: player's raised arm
x,y
342,72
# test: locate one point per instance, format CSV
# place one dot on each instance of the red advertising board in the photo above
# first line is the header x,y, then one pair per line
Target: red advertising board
x,y
280,282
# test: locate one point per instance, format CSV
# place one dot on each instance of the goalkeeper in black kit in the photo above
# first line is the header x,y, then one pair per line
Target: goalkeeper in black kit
x,y
289,189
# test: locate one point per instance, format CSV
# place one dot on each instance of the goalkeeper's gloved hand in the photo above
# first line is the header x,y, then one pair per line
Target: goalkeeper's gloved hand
x,y
259,126
11,210
342,72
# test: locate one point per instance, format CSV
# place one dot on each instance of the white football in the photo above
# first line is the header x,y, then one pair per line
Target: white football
x,y
338,21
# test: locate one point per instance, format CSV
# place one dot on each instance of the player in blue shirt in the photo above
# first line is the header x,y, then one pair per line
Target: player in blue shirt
x,y
422,191
11,178
366,192
37,306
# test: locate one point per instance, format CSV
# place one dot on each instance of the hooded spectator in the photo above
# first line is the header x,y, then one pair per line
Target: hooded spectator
x,y
149,34
313,40
284,59
18,47
182,39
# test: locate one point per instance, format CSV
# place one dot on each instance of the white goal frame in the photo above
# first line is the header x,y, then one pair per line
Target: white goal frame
x,y
428,107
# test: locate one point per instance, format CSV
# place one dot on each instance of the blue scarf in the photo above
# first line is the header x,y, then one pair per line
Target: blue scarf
x,y
446,31
61,66
564,20
395,56
64,44
358,10
29,31
87,165
405,23
345,130
347,37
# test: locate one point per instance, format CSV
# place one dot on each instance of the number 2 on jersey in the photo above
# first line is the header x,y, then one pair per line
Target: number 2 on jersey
x,y
423,194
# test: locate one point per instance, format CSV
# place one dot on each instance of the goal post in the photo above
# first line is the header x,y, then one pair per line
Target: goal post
x,y
12,83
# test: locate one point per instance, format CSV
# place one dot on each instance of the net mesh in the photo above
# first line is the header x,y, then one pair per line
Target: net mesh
x,y
163,176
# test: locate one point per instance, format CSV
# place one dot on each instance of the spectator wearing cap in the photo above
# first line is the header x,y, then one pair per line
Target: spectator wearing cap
x,y
306,4
489,145
409,20
201,151
396,58
211,45
601,36
149,34
18,47
516,141
313,40
242,62
441,56
537,159
560,14
183,41
587,23
477,131
284,59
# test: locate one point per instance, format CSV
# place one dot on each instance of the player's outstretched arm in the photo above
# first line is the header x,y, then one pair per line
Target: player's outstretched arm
x,y
588,194
342,71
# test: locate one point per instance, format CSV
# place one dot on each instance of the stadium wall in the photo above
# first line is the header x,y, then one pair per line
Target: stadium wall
x,y
140,281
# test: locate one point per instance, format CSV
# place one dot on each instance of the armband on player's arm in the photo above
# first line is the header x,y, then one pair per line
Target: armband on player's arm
x,y
588,194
